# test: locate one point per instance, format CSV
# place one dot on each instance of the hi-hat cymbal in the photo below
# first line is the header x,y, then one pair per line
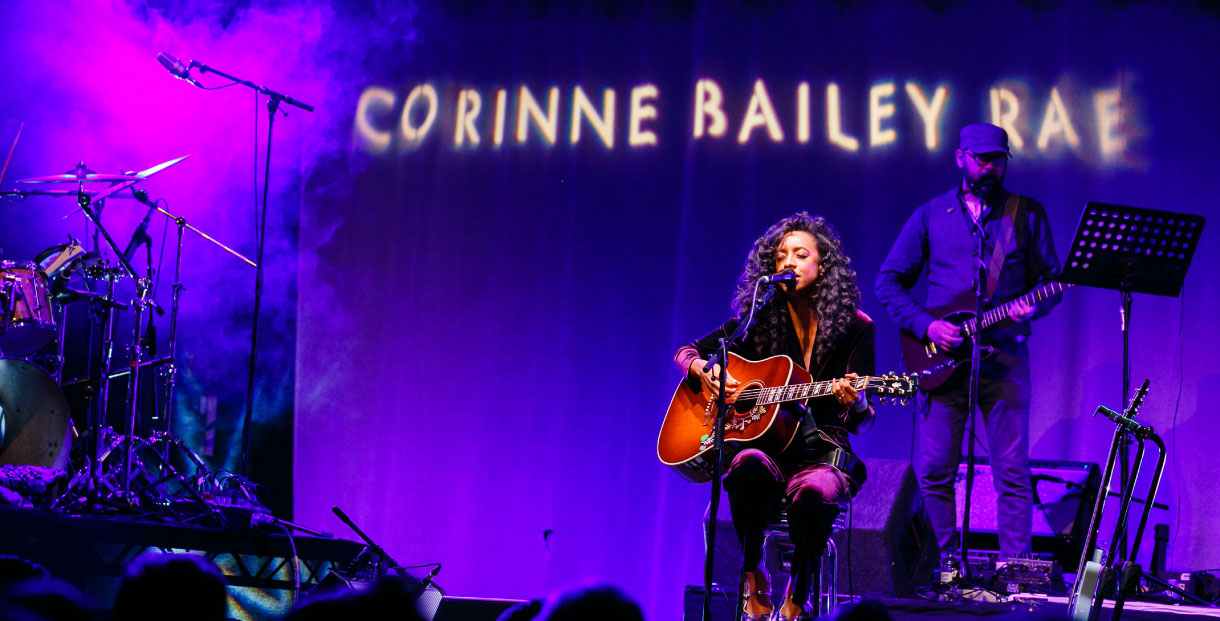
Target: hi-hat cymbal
x,y
17,194
79,174
80,178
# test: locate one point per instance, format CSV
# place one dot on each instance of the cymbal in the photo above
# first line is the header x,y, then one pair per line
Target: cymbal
x,y
28,193
81,177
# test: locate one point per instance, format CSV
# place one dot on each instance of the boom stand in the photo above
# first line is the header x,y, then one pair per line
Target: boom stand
x,y
273,103
1131,250
171,370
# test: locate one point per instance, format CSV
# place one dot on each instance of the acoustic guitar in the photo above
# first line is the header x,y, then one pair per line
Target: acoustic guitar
x,y
756,418
936,365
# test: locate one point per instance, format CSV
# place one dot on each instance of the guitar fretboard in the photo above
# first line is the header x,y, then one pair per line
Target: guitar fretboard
x,y
793,392
999,313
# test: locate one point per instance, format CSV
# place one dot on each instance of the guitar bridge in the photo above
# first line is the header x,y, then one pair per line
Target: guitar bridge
x,y
737,423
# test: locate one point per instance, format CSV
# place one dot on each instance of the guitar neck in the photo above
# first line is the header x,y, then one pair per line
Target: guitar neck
x,y
795,392
999,313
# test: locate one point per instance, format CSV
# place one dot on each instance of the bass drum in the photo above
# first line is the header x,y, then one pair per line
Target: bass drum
x,y
35,428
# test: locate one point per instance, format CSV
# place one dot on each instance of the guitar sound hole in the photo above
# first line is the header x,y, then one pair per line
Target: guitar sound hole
x,y
744,404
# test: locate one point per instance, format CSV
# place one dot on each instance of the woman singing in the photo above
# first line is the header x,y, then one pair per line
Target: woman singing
x,y
814,320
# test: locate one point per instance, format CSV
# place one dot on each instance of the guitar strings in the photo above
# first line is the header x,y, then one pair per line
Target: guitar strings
x,y
816,390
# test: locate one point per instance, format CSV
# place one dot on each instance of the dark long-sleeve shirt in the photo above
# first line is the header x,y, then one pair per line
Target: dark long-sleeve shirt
x,y
938,240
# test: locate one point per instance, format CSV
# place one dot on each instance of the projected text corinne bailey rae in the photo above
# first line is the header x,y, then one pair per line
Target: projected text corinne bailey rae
x,y
1097,121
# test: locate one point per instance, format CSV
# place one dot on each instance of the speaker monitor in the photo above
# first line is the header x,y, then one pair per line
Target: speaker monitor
x,y
892,546
472,608
1064,493
893,549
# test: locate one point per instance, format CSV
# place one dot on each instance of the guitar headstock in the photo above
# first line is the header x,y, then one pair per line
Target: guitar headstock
x,y
1133,408
1126,420
893,388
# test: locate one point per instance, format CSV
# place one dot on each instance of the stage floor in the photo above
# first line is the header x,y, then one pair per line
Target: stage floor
x,y
1052,607
1028,606
90,552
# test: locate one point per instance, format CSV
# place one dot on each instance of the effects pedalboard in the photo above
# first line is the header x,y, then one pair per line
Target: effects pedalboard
x,y
1012,575
1029,575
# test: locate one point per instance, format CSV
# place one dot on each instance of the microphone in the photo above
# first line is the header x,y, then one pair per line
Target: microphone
x,y
175,67
432,574
416,590
781,277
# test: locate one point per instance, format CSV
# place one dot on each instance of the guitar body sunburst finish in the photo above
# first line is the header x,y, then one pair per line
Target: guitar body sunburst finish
x,y
686,434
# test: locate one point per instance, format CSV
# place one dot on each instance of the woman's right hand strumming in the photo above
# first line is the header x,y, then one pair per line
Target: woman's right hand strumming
x,y
709,378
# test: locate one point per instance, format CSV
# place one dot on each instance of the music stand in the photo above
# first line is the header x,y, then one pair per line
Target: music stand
x,y
1131,250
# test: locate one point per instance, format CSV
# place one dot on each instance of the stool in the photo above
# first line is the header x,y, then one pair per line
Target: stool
x,y
826,591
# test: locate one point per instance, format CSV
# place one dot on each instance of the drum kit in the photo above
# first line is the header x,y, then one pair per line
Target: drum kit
x,y
115,470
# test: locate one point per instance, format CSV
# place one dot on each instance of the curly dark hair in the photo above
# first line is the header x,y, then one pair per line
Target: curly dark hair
x,y
834,296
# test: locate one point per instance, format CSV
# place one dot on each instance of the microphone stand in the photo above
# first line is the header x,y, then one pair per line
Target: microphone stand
x,y
273,104
972,398
170,360
382,556
722,357
1124,459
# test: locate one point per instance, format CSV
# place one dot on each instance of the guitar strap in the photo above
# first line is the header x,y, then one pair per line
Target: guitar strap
x,y
1008,232
837,457
845,462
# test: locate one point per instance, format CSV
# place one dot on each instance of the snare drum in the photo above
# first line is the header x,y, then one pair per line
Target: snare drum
x,y
27,324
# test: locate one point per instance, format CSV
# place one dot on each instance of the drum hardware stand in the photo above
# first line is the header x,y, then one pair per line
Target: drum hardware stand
x,y
63,333
83,200
143,288
11,285
97,407
102,491
93,459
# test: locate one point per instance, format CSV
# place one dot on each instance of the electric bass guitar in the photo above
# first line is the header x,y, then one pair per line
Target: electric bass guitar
x,y
922,355
755,418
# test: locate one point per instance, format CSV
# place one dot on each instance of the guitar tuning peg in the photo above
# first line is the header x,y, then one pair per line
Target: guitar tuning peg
x,y
903,402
